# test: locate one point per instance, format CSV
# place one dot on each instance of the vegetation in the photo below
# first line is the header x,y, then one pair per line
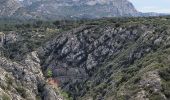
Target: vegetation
x,y
66,96
36,32
21,91
49,73
9,81
31,34
125,73
5,97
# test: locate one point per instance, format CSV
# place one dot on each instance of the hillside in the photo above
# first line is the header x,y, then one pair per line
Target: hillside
x,y
105,59
9,7
67,9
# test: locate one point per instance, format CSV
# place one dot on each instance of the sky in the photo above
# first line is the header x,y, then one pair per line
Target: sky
x,y
159,6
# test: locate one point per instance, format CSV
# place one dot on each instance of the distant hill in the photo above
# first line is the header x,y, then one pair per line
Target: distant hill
x,y
9,7
64,9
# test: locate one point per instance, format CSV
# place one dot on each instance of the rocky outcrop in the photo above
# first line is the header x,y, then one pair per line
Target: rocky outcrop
x,y
84,8
2,38
8,7
25,80
101,61
90,57
69,9
75,55
150,80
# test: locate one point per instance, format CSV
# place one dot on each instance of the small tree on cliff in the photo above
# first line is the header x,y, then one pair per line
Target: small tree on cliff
x,y
49,73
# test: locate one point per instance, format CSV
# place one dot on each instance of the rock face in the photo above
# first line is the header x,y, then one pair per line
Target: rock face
x,y
2,38
29,2
8,7
64,9
24,80
77,57
102,60
82,8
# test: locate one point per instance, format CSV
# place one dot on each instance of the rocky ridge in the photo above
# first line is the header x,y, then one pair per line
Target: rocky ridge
x,y
25,80
68,9
125,59
88,61
9,7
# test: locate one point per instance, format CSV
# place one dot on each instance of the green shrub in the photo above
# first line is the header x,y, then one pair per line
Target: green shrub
x,y
5,97
38,97
49,73
166,88
165,74
9,80
156,97
21,91
66,95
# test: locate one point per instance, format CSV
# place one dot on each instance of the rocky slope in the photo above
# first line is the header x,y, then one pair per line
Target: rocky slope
x,y
20,81
66,9
8,7
107,59
80,8
103,62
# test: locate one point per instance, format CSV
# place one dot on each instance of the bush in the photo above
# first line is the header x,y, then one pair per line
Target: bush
x,y
21,91
66,95
9,80
166,89
49,73
5,97
165,74
156,96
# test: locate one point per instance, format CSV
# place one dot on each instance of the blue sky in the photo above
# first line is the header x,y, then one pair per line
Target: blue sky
x,y
160,6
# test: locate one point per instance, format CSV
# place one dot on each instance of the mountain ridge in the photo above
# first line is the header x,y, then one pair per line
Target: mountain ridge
x,y
59,9
9,7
